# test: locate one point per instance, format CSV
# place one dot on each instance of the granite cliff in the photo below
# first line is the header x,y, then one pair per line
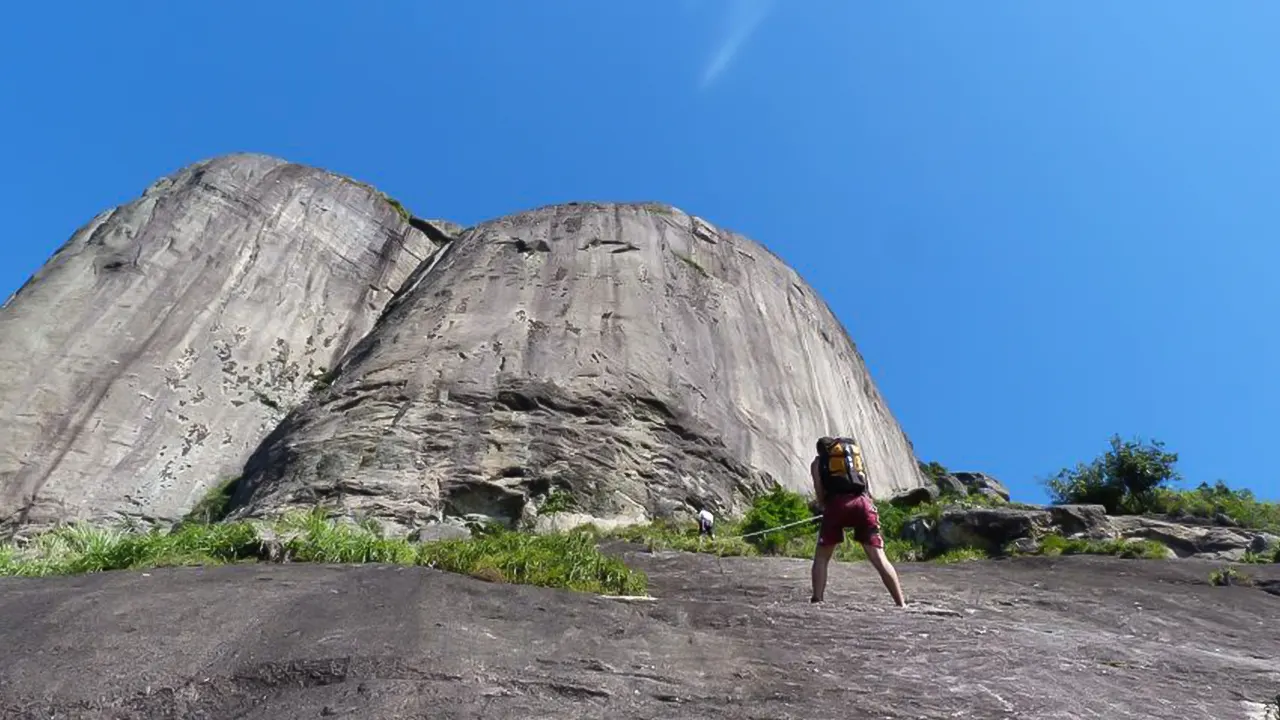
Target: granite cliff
x,y
148,357
301,335
631,356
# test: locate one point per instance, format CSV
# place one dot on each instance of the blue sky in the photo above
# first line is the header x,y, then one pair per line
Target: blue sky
x,y
1058,220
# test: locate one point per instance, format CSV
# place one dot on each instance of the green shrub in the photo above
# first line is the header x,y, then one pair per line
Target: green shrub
x,y
935,472
898,550
558,501
1140,549
1135,478
773,510
894,517
1262,558
1228,575
1124,479
215,504
1208,501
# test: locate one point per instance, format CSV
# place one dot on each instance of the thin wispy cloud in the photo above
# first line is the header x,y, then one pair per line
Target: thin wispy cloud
x,y
740,21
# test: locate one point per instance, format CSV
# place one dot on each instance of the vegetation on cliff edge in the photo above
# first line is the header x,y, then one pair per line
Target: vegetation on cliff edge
x,y
1136,477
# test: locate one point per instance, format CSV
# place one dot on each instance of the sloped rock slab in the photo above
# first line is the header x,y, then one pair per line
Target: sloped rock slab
x,y
725,638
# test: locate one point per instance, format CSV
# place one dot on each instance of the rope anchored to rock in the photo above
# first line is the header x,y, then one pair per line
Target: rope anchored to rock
x,y
774,529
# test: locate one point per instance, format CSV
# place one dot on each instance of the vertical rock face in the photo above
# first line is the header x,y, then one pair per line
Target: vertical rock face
x,y
154,350
633,356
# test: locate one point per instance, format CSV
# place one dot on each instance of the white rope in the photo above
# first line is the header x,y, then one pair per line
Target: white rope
x,y
769,530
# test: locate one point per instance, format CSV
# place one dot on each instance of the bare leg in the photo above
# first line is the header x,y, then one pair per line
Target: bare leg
x,y
821,558
887,574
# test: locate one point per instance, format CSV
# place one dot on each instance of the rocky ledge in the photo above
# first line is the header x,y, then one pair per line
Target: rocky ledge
x,y
1022,528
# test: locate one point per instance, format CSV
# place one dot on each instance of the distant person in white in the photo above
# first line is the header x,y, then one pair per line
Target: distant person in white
x,y
705,521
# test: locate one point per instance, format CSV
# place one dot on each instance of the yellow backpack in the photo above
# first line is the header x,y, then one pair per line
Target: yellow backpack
x,y
841,467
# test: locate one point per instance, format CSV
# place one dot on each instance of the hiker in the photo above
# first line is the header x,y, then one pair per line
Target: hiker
x,y
705,521
844,499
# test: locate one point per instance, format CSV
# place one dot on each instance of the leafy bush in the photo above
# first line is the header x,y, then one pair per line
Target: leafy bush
x,y
1134,478
1209,501
1124,479
894,517
777,508
933,470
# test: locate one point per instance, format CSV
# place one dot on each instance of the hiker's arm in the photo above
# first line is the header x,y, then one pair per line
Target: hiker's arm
x,y
818,494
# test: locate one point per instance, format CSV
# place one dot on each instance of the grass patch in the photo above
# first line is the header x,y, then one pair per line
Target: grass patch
x,y
396,204
561,560
214,505
399,208
1053,545
961,555
670,535
1229,576
1262,558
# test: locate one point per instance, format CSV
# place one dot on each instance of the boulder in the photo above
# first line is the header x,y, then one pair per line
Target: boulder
x,y
920,531
625,354
916,496
950,486
990,529
983,484
1199,541
148,357
1088,521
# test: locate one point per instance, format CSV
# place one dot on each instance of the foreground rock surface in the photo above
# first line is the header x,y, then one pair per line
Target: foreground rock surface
x,y
632,356
1030,638
149,356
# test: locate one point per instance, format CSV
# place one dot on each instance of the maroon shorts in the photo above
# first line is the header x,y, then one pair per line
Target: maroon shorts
x,y
847,511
